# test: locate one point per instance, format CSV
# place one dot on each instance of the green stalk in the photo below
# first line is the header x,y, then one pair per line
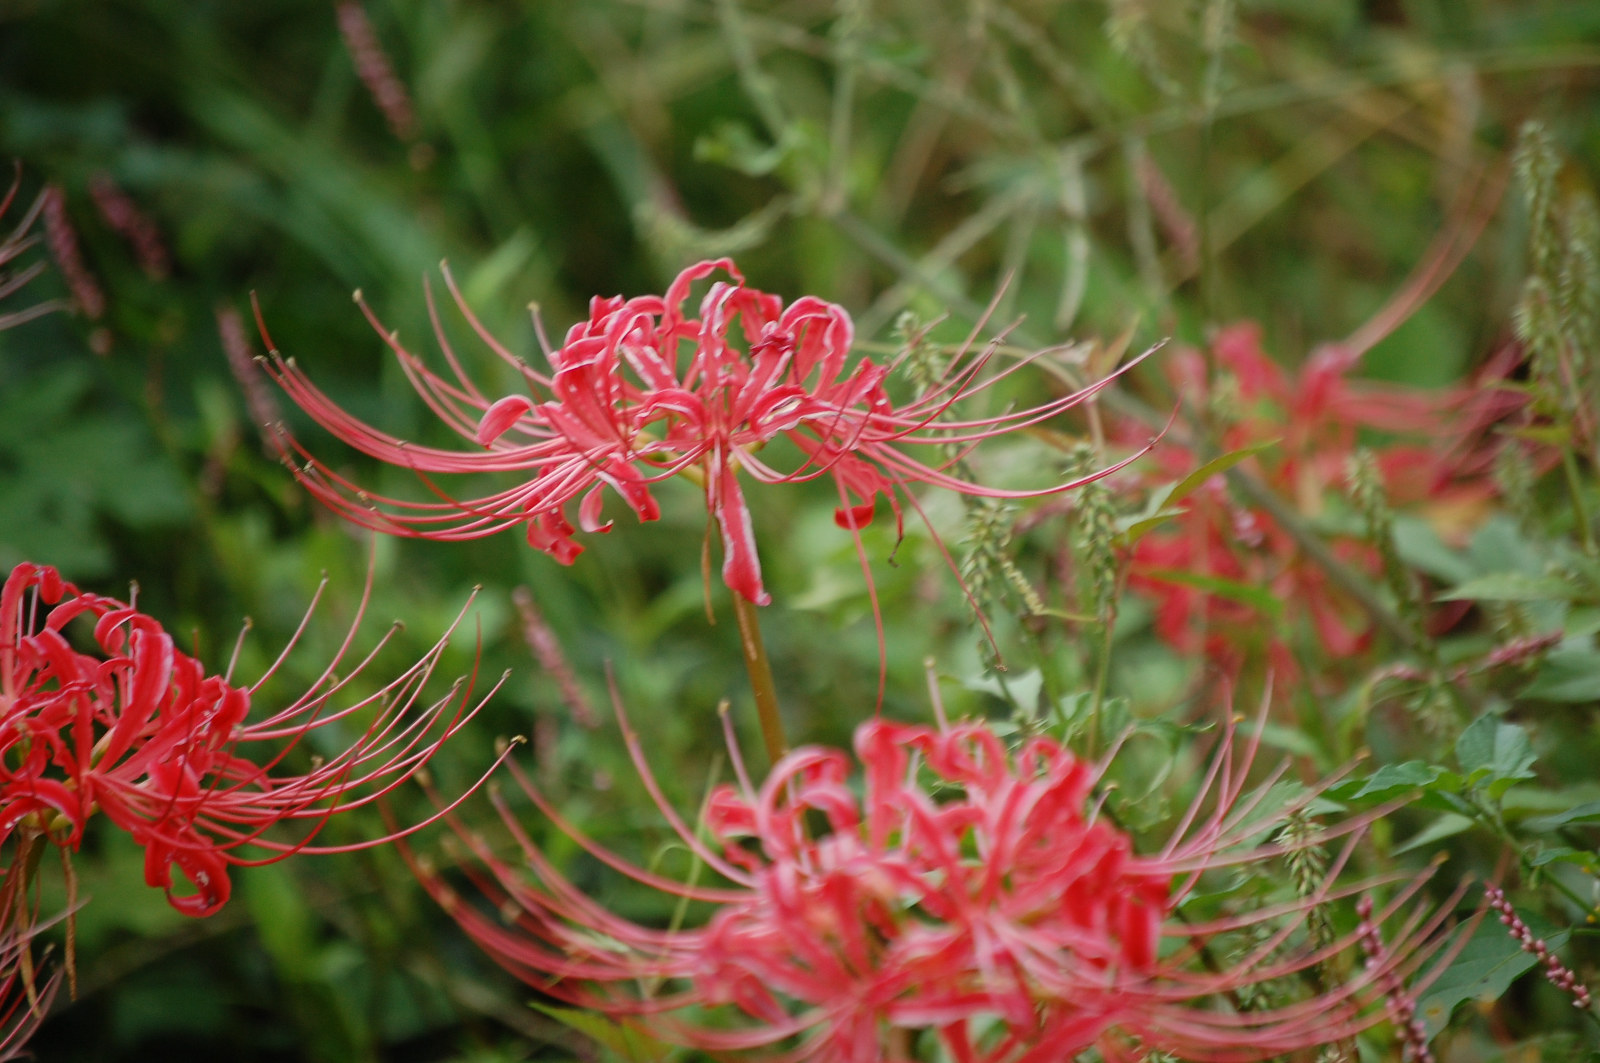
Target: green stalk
x,y
761,683
1102,672
1580,509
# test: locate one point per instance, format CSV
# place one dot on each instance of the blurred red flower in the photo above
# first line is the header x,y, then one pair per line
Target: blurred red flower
x,y
1312,422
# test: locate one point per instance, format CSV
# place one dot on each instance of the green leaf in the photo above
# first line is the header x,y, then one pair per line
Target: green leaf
x,y
1483,970
1446,826
1020,692
1588,812
1258,598
1566,675
1392,780
1495,754
625,1038
1131,530
1562,854
1419,546
1289,739
1557,435
1512,587
1502,546
1217,465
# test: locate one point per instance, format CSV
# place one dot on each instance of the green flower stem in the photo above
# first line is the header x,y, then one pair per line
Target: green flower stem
x,y
761,684
1580,510
1102,672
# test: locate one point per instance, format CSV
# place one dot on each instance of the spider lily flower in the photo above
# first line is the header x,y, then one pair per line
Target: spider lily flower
x,y
962,892
642,391
139,732
1314,418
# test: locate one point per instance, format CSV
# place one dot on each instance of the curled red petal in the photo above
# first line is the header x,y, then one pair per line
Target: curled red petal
x,y
500,416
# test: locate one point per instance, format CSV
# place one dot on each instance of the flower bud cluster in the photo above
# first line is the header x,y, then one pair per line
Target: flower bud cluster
x,y
376,72
1558,973
63,241
1402,1007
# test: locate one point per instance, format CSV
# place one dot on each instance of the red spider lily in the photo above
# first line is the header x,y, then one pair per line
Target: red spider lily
x,y
642,391
961,891
139,731
1314,418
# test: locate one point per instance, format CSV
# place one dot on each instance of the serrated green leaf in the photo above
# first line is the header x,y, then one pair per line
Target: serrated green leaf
x,y
1483,970
1392,780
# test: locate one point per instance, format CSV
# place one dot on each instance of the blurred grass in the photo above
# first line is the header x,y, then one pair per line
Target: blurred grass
x,y
1159,167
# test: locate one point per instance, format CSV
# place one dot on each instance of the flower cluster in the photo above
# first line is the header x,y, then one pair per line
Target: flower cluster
x,y
1557,973
1412,1034
642,391
1310,423
101,713
963,892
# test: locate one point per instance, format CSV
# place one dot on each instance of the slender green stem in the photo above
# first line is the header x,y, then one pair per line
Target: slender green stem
x,y
1102,671
761,684
1580,509
757,83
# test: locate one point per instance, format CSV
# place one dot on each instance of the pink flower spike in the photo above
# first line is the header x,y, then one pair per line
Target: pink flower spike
x,y
942,882
138,732
644,390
